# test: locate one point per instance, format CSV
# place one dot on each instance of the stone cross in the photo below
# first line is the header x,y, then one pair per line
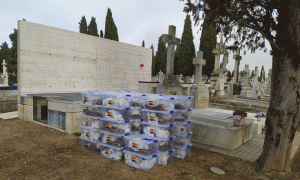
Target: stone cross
x,y
220,49
172,41
237,58
199,62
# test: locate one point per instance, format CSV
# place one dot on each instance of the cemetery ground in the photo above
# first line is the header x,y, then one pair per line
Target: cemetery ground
x,y
32,151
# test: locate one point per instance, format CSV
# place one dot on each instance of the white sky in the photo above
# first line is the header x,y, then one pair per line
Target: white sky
x,y
136,20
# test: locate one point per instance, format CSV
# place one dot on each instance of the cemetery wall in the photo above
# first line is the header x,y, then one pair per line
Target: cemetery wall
x,y
57,60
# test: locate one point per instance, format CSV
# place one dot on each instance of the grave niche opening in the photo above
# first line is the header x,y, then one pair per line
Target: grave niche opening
x,y
40,109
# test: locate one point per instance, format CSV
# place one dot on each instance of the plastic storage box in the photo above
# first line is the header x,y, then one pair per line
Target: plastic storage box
x,y
182,127
166,144
90,145
135,100
122,114
159,103
139,161
141,144
160,131
116,127
91,98
113,139
137,126
89,133
90,110
158,117
111,152
114,99
165,157
182,102
183,139
91,122
181,115
182,152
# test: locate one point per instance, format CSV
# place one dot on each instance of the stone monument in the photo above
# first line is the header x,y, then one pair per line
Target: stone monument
x,y
246,82
268,86
199,90
4,75
254,93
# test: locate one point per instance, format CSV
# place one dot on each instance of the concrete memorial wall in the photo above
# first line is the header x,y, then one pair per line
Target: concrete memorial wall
x,y
57,60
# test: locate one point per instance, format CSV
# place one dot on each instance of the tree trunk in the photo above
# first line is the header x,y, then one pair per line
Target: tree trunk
x,y
282,118
283,113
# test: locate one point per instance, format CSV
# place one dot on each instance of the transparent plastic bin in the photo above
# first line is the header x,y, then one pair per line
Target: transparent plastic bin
x,y
183,139
166,144
141,144
165,157
159,103
182,102
182,127
135,100
114,99
182,152
139,161
158,117
116,126
90,145
160,131
122,114
91,122
111,152
92,110
181,115
113,139
91,98
137,126
89,133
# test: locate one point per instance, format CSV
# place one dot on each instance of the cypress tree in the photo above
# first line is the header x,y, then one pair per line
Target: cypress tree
x,y
111,31
83,25
92,28
186,51
101,33
143,43
262,74
161,57
153,62
208,42
12,60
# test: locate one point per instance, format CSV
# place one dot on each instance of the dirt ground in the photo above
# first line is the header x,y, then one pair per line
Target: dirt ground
x,y
32,151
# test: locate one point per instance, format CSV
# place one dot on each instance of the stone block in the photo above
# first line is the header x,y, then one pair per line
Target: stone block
x,y
28,113
64,107
21,111
202,100
28,101
73,121
220,136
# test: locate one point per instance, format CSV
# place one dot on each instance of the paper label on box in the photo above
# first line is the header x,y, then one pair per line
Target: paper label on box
x,y
87,134
85,99
152,131
87,123
106,151
151,102
87,108
108,125
87,144
109,114
152,118
108,138
110,102
135,145
133,159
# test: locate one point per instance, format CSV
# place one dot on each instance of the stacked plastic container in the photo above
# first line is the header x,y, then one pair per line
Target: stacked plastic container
x,y
181,116
91,121
113,121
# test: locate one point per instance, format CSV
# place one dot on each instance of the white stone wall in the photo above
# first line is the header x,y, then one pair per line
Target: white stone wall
x,y
56,60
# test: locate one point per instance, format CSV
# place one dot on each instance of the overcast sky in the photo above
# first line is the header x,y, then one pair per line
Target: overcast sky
x,y
136,20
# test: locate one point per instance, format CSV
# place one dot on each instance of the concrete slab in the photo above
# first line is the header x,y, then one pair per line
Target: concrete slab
x,y
9,115
249,151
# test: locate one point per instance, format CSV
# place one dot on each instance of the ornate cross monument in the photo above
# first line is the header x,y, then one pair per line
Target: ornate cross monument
x,y
172,41
237,58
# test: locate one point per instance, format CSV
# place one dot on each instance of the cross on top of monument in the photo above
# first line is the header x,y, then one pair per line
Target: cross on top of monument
x,y
237,56
172,41
199,59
